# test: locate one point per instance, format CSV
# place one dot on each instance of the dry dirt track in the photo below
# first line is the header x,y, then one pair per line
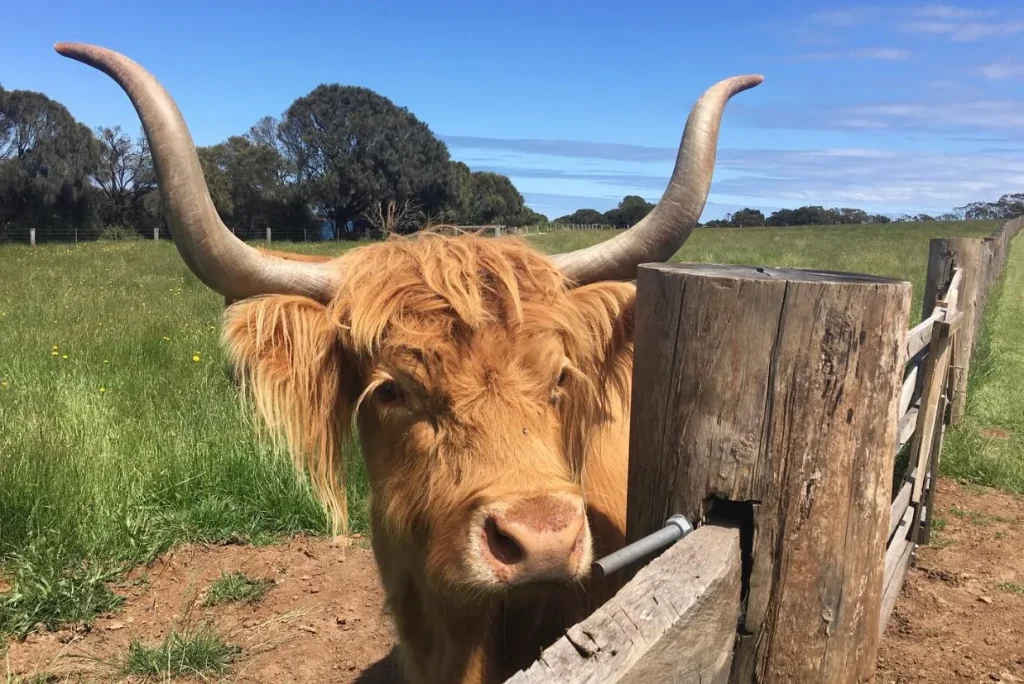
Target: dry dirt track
x,y
960,618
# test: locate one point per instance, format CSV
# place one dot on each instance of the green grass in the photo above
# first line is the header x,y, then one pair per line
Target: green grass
x,y
236,587
115,444
197,652
987,448
1012,587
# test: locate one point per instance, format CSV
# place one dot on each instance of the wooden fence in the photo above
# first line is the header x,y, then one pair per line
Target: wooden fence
x,y
769,408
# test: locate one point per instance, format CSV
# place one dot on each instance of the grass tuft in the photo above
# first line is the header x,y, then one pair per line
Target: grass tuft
x,y
236,587
50,592
197,652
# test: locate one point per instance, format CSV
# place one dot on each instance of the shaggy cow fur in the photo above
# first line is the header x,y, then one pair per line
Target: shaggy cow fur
x,y
473,373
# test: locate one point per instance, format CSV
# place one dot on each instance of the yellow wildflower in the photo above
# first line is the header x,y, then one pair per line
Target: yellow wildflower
x,y
64,356
195,358
3,383
55,353
103,389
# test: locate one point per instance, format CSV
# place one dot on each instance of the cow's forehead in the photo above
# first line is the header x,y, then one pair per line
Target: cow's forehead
x,y
454,350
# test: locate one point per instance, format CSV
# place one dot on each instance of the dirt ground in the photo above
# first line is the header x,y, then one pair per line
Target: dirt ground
x,y
960,617
322,621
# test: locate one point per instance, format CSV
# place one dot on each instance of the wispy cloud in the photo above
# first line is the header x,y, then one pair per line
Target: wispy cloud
x,y
904,180
579,149
943,11
966,32
890,181
958,23
1004,117
882,53
999,71
853,16
962,24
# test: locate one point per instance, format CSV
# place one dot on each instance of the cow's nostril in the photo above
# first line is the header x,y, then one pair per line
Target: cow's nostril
x,y
503,548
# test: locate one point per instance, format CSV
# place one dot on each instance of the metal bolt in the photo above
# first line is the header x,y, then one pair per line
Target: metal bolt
x,y
676,527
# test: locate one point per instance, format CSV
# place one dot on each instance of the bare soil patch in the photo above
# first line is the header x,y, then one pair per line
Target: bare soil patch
x,y
959,619
960,616
322,621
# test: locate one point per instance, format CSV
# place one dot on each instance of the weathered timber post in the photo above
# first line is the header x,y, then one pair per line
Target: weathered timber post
x,y
776,390
987,273
944,254
32,236
156,234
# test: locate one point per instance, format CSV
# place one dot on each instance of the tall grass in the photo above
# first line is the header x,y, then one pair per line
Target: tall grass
x,y
987,448
121,432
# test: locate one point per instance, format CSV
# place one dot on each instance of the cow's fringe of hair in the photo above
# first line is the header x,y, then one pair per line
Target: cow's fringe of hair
x,y
288,361
599,339
408,280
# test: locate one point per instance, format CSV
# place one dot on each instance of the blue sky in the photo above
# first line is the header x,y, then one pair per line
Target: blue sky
x,y
891,107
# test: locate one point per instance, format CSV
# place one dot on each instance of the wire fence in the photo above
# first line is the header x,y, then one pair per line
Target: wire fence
x,y
74,234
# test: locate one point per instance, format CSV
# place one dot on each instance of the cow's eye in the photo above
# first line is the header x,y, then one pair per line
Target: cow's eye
x,y
563,376
389,392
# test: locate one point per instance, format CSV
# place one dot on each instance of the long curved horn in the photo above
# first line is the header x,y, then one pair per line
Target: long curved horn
x,y
664,230
217,257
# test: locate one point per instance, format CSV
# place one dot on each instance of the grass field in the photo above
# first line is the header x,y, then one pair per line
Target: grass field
x,y
988,447
121,433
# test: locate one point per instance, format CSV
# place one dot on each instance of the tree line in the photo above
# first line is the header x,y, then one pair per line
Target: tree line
x,y
341,156
340,162
633,208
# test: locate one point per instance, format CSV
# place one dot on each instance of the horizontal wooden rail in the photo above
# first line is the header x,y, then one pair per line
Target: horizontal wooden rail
x,y
907,426
681,607
897,560
921,334
900,503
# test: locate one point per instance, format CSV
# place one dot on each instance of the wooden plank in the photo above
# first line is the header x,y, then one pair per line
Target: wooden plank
x,y
924,535
780,387
906,427
921,334
907,392
951,297
893,584
899,505
934,379
675,621
901,537
954,270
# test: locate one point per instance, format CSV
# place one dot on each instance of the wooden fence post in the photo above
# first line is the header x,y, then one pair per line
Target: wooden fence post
x,y
32,236
776,390
943,255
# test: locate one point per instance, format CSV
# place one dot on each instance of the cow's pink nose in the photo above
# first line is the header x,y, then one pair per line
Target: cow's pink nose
x,y
541,538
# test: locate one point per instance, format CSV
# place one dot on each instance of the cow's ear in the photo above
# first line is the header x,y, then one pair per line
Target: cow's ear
x,y
289,359
604,339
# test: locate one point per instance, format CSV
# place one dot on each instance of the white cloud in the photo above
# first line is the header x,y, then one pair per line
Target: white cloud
x,y
999,71
847,17
958,23
882,53
966,32
943,11
879,180
977,114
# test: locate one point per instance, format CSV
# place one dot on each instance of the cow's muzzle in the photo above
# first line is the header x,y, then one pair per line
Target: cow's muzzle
x,y
535,539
